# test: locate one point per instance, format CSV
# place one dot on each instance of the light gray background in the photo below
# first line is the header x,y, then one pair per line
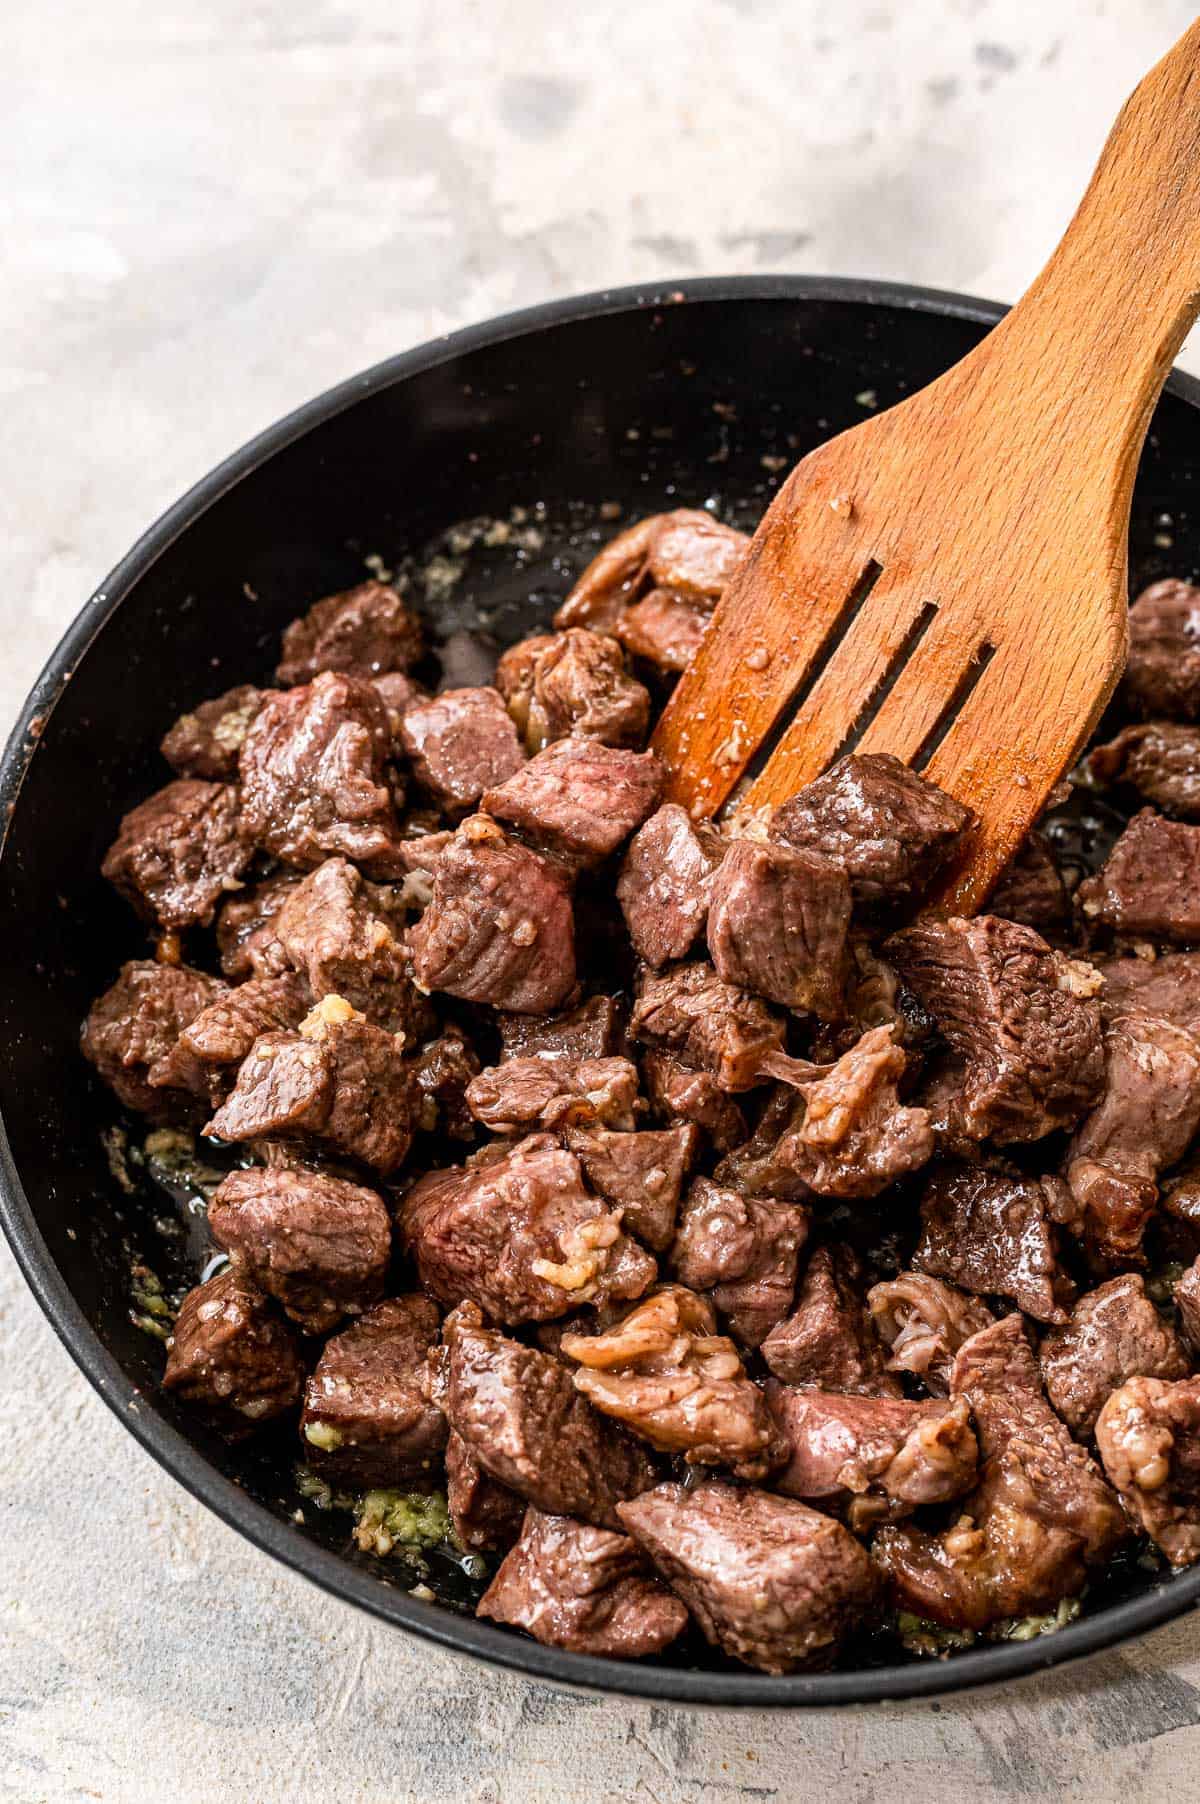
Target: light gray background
x,y
211,210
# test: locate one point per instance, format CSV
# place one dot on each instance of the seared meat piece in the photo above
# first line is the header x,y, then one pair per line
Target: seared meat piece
x,y
1150,885
520,1236
872,1459
486,1514
179,852
686,553
1028,1042
579,799
206,1056
136,1024
993,1231
398,692
514,679
460,742
500,928
366,1418
340,1079
1032,890
771,1582
316,1244
1187,1304
663,629
232,1358
777,922
591,1031
442,1070
828,1341
925,1322
1041,1519
1163,673
340,931
206,741
365,630
1167,987
1114,1333
667,1374
578,684
554,1093
527,1426
1160,760
712,1025
744,1251
569,1584
245,928
1148,1435
888,829
642,1173
665,882
681,1096
312,767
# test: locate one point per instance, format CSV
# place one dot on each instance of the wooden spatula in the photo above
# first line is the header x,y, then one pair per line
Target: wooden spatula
x,y
947,581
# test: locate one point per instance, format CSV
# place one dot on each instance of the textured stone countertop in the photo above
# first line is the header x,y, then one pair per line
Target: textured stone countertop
x,y
210,212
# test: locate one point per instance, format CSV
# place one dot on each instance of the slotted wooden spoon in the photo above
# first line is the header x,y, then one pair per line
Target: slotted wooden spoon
x,y
947,581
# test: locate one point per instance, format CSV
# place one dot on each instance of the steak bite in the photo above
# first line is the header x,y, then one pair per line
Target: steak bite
x,y
136,1024
1187,1306
206,1056
1148,1436
232,1358
1027,1044
744,1252
579,799
460,743
1167,987
685,554
1160,760
593,1030
530,1093
665,1372
872,1459
486,1514
1031,890
682,1097
366,631
179,852
712,1025
245,928
828,1342
1163,673
993,1231
663,629
205,742
641,1173
887,828
777,923
442,1071
500,927
312,767
1150,886
665,883
341,932
318,1245
520,1236
925,1321
522,1419
569,1584
772,1583
578,684
366,1418
1114,1333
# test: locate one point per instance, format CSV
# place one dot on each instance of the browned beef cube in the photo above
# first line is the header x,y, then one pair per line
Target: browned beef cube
x,y
1114,1333
777,922
872,1459
663,629
500,928
665,1372
712,1025
1163,674
579,798
1028,1043
593,1030
340,931
993,1231
179,852
1150,886
642,1173
419,852
576,683
398,692
137,1022
486,1514
460,742
743,1251
1032,890
1148,1436
681,1096
520,1236
232,1357
312,767
206,741
365,630
1041,1519
828,1340
316,1244
685,552
1187,1305
527,1426
442,1069
553,1094
514,679
890,830
1167,986
925,1321
569,1584
207,1054
367,1420
665,881
771,1582
245,928
1160,759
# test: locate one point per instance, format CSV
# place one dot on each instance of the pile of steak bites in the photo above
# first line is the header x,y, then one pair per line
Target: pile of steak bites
x,y
731,1242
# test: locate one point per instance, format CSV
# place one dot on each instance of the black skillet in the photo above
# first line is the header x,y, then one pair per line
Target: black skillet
x,y
644,399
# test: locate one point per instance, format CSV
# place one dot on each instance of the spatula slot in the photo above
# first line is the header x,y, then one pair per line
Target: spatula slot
x,y
957,701
887,681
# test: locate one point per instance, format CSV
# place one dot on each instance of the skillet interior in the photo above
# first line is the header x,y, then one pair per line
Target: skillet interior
x,y
646,401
